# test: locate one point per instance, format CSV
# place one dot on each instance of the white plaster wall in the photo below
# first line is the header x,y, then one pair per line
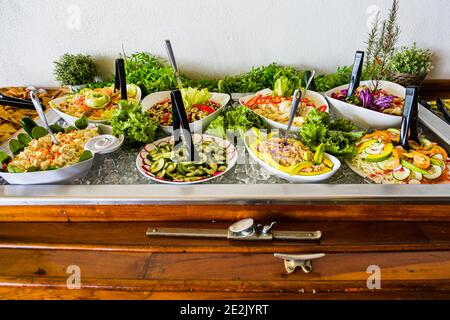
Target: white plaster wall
x,y
210,37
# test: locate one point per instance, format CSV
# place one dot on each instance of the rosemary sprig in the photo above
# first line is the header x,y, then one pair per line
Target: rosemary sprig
x,y
381,46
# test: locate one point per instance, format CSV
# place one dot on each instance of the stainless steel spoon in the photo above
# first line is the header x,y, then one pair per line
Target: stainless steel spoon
x,y
41,113
173,63
296,100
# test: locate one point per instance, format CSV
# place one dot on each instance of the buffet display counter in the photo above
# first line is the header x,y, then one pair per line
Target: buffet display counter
x,y
99,223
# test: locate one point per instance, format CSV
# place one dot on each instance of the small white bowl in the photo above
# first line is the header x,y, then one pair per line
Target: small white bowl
x,y
366,118
317,98
198,126
65,174
287,176
143,164
54,104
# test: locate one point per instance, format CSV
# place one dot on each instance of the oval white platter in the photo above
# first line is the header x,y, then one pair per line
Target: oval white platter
x,y
143,164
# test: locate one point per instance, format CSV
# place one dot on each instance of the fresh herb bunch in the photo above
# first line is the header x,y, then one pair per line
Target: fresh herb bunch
x,y
151,73
75,69
262,77
412,60
381,46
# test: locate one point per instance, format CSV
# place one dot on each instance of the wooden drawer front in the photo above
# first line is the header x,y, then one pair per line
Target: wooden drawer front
x,y
241,274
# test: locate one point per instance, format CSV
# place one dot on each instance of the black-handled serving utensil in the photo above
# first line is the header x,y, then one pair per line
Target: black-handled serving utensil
x,y
440,104
173,62
410,123
120,80
37,104
356,73
180,121
16,102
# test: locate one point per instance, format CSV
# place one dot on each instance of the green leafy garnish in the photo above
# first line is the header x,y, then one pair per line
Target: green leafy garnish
x,y
56,128
283,87
338,137
193,96
24,138
70,129
81,123
38,132
86,155
4,157
16,146
135,125
236,120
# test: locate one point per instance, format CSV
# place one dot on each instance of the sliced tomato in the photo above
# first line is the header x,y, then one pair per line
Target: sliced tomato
x,y
322,108
420,160
205,108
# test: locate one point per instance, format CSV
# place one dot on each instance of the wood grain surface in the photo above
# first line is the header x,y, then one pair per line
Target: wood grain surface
x,y
220,212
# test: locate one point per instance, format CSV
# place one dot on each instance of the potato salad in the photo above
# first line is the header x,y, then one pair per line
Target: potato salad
x,y
41,154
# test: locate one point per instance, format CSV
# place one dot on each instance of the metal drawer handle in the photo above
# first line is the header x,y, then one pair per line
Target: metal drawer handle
x,y
291,262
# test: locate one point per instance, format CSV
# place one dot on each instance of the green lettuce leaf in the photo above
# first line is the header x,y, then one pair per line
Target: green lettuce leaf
x,y
193,96
130,121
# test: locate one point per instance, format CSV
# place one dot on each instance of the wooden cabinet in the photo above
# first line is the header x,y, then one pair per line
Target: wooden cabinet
x,y
410,243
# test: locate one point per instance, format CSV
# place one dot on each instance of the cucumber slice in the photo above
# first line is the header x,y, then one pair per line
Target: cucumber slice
x,y
157,166
387,164
38,132
415,175
401,173
24,138
438,156
375,148
438,163
434,172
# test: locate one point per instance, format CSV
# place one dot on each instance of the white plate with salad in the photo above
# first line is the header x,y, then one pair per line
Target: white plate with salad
x,y
160,162
367,108
97,105
201,106
274,106
290,159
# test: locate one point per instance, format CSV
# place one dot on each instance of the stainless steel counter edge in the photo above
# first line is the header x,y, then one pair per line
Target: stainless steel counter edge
x,y
211,193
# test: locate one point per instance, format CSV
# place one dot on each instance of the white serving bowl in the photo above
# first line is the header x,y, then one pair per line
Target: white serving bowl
x,y
54,104
198,126
366,118
143,164
65,174
317,98
287,176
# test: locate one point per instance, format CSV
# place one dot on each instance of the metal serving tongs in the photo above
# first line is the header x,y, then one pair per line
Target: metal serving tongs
x,y
16,102
179,117
356,73
440,104
410,122
41,113
120,81
297,98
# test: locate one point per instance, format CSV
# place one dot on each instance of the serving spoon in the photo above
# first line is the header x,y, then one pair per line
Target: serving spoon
x,y
41,113
173,63
296,100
